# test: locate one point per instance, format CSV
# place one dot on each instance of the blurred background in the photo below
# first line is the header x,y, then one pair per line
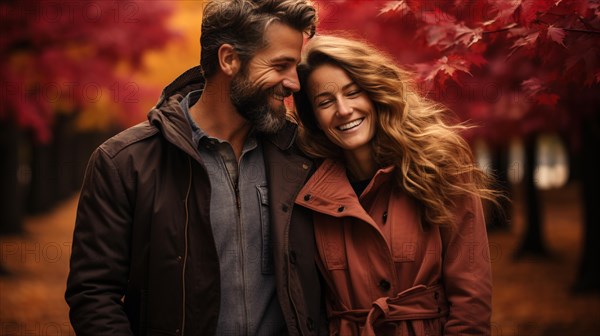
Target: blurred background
x,y
526,73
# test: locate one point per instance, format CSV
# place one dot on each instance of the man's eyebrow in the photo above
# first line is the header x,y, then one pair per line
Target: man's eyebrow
x,y
283,59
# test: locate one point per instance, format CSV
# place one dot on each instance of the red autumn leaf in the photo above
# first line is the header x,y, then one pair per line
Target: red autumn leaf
x,y
467,36
438,17
532,9
533,86
396,7
443,66
526,41
557,35
505,10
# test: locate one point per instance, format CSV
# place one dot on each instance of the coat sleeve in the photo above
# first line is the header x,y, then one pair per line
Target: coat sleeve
x,y
99,262
467,274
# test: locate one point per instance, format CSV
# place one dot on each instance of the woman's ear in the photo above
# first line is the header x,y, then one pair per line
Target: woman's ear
x,y
229,60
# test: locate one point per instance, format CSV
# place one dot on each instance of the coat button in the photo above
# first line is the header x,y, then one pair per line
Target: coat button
x,y
310,324
384,217
293,257
284,208
179,258
307,197
385,285
341,208
305,166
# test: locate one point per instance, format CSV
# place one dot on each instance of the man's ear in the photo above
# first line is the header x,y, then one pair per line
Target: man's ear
x,y
229,60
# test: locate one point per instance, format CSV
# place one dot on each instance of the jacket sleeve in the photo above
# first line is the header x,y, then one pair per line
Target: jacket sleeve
x,y
99,262
467,274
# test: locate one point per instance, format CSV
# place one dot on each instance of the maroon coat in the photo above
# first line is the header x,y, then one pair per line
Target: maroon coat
x,y
387,271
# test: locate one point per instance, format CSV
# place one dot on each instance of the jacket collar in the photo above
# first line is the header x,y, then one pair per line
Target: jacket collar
x,y
169,118
329,191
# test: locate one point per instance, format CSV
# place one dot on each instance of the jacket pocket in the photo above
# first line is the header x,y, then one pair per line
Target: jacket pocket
x,y
405,229
329,235
266,248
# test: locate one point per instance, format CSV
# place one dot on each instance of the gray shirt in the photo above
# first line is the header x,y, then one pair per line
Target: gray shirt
x,y
239,215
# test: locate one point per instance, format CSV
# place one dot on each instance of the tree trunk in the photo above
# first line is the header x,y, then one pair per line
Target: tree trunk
x,y
532,243
588,276
42,191
499,215
11,207
63,163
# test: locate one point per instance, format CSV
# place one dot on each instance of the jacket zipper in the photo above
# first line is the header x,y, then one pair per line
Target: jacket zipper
x,y
185,252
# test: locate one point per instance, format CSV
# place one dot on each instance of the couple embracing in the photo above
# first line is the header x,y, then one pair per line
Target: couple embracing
x,y
358,212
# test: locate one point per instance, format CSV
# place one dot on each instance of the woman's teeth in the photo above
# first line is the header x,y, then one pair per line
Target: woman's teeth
x,y
351,124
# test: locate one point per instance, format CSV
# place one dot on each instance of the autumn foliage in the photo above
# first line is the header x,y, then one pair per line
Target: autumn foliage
x,y
74,56
512,66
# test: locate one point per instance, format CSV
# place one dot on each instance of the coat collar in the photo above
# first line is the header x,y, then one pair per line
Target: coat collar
x,y
329,191
169,118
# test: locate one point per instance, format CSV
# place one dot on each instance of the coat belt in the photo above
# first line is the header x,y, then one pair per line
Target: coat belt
x,y
416,303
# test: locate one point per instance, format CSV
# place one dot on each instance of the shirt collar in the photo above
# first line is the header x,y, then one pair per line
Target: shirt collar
x,y
199,135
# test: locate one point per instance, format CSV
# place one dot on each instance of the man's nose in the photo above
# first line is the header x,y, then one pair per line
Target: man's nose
x,y
291,82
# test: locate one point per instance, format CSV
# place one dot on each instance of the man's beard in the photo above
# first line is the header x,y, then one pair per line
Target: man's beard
x,y
253,103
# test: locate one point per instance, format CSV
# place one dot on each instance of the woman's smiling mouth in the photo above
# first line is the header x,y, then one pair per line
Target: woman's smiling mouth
x,y
351,125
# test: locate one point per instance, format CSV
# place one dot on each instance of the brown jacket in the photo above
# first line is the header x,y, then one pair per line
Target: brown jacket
x,y
386,274
144,260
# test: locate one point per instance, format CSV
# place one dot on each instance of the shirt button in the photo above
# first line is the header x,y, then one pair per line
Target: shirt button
x,y
385,285
179,258
307,197
341,208
293,257
305,166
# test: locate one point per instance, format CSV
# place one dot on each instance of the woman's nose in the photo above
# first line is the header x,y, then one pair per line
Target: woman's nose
x,y
343,108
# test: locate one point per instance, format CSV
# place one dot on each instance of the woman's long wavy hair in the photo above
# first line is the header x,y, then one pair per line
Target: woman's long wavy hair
x,y
433,163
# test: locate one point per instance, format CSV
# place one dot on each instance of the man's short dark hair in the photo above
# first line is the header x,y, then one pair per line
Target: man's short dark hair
x,y
242,24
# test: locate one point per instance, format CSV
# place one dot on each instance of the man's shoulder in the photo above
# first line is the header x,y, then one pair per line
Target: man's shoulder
x,y
129,137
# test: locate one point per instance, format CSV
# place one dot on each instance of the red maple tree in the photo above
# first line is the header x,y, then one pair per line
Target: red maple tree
x,y
500,63
64,55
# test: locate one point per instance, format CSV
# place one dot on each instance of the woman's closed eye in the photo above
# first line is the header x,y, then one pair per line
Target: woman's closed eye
x,y
354,93
324,103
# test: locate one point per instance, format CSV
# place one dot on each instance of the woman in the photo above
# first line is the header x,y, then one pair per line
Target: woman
x,y
396,200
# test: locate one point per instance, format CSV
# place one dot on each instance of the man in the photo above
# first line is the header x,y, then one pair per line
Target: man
x,y
185,222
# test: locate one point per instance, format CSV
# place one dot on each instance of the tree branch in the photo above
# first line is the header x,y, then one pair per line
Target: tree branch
x,y
580,30
497,31
574,30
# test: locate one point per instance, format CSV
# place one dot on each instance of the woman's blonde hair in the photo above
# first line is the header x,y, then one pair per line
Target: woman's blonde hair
x,y
434,164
